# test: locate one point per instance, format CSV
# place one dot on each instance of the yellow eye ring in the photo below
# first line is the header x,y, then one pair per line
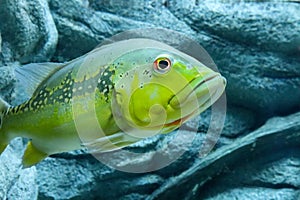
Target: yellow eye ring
x,y
162,65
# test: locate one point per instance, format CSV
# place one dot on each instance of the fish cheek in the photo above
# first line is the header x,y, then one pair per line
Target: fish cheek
x,y
148,104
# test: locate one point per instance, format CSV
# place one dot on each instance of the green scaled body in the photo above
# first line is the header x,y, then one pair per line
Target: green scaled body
x,y
95,100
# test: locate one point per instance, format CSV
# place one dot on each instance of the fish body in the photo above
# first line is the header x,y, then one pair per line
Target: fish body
x,y
111,97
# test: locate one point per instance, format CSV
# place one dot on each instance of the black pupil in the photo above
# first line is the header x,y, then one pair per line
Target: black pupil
x,y
163,64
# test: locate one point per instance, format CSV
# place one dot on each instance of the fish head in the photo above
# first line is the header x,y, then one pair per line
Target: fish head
x,y
158,89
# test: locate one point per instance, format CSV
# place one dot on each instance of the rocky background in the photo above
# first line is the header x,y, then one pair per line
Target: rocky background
x,y
256,47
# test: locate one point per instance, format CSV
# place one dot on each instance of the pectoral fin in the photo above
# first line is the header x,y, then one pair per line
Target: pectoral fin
x,y
32,155
110,143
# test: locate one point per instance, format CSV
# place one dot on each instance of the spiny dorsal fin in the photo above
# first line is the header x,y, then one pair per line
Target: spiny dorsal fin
x,y
3,109
30,76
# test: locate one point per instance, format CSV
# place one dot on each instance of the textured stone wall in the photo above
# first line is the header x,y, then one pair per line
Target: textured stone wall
x,y
256,46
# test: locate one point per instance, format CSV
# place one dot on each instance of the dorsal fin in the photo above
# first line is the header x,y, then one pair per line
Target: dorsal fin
x,y
4,106
30,76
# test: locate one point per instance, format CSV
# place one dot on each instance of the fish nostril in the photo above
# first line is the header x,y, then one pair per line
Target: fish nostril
x,y
189,66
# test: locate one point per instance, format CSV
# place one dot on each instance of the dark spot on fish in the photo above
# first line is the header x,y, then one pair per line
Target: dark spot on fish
x,y
15,109
47,96
105,84
12,110
146,72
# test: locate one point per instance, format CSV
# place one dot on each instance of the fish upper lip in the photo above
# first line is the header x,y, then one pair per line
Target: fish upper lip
x,y
205,80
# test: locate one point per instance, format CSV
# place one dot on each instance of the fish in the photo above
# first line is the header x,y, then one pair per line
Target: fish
x,y
107,99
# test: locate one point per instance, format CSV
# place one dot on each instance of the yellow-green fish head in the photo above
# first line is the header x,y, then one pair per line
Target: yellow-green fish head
x,y
158,89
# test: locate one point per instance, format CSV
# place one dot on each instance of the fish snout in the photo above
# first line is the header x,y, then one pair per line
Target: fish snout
x,y
199,92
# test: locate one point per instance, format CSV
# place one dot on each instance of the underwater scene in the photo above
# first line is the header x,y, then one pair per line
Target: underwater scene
x,y
149,99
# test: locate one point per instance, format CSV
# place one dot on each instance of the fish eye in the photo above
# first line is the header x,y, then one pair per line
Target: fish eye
x,y
162,65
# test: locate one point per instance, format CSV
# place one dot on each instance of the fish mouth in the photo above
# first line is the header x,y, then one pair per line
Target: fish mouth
x,y
197,96
203,88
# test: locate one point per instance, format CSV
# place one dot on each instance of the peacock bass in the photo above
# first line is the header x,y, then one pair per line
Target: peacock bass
x,y
109,98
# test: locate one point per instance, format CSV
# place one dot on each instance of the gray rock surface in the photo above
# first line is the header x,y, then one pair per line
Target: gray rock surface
x,y
255,45
81,28
15,182
28,29
262,42
7,82
266,158
239,121
257,27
